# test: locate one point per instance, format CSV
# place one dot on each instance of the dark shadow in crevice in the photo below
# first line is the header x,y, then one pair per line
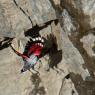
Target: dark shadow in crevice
x,y
89,62
5,43
34,31
37,90
83,87
93,48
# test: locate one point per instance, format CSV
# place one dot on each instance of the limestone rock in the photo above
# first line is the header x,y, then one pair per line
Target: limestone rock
x,y
5,28
68,24
73,57
83,11
90,38
21,15
17,16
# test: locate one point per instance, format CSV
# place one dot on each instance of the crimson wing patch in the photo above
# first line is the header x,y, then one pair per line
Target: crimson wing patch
x,y
34,46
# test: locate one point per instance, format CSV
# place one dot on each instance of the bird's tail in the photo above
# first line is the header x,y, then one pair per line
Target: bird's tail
x,y
18,53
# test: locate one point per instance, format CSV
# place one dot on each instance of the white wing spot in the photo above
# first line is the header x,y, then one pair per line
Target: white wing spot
x,y
34,39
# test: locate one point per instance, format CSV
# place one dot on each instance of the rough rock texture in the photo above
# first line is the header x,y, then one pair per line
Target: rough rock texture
x,y
76,20
75,59
90,38
5,28
22,15
83,11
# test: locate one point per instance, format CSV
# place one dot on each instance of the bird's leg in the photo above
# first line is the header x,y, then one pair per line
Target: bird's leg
x,y
35,71
40,63
45,58
30,71
46,67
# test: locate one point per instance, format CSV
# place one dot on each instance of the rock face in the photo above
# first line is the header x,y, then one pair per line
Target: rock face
x,y
90,38
5,27
74,59
83,11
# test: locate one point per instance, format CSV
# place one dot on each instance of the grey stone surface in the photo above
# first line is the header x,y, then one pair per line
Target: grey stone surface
x,y
83,11
73,58
68,24
90,38
17,16
5,28
12,82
